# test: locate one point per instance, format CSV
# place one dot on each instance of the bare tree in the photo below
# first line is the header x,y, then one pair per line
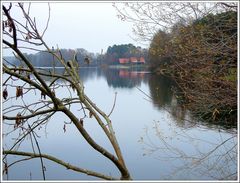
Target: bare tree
x,y
25,118
150,17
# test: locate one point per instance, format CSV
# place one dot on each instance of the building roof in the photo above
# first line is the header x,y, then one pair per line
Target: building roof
x,y
123,60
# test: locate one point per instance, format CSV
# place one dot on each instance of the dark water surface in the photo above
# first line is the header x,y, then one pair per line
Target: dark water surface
x,y
159,139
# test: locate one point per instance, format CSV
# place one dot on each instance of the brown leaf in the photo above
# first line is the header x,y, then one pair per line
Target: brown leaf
x,y
9,23
5,93
19,92
18,120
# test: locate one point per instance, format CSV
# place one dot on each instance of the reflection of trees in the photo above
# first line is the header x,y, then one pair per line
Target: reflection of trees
x,y
192,153
189,154
123,78
161,90
116,78
165,97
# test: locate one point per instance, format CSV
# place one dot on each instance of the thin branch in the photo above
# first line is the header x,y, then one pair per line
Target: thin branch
x,y
13,26
49,10
60,162
45,86
31,115
19,140
40,154
114,103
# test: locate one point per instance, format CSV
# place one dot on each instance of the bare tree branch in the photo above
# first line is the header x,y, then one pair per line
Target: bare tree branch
x,y
60,162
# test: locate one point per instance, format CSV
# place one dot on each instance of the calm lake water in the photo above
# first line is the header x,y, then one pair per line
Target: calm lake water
x,y
159,139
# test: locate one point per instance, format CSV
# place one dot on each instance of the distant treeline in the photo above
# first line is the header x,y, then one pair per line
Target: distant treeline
x,y
45,59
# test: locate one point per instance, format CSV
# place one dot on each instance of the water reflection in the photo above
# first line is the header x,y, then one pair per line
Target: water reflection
x,y
116,78
161,90
124,78
131,116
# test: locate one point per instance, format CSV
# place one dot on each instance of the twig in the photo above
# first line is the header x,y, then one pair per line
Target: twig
x,y
114,103
44,178
49,10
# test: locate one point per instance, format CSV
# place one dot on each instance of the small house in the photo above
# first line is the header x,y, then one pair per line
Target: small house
x,y
142,60
133,60
123,60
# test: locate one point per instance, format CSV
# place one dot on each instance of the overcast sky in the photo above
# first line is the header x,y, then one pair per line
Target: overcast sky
x,y
92,26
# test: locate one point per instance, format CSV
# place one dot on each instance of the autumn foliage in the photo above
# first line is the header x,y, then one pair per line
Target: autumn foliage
x,y
202,57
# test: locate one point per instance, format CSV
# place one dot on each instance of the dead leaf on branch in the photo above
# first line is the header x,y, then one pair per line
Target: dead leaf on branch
x,y
5,93
19,91
18,120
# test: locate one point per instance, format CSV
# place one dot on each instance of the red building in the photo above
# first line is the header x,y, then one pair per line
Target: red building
x,y
132,60
142,60
123,60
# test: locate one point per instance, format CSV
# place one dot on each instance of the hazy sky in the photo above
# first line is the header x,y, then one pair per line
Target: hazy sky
x,y
92,26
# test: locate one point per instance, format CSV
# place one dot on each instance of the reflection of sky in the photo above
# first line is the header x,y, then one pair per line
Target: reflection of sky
x,y
132,117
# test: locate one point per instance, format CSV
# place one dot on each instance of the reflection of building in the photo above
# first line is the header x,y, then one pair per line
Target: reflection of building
x,y
124,73
132,60
130,74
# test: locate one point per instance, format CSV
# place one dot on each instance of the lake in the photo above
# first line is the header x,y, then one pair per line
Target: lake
x,y
159,139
